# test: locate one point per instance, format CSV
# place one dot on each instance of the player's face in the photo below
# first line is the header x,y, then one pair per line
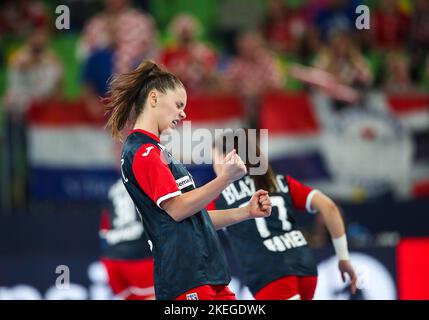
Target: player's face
x,y
171,109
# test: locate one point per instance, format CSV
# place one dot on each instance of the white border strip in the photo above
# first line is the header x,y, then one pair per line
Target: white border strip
x,y
308,201
167,196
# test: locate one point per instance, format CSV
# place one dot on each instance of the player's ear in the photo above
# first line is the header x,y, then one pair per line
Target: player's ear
x,y
153,98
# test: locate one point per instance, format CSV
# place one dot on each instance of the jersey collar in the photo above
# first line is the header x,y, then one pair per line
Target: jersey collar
x,y
154,137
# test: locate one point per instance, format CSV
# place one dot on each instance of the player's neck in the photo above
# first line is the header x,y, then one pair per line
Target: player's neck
x,y
148,124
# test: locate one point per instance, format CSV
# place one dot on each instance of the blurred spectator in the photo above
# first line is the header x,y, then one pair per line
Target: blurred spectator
x,y
81,11
419,38
133,33
309,45
19,17
233,16
96,72
313,7
284,27
252,72
390,25
114,41
190,59
336,15
397,77
342,59
340,70
34,74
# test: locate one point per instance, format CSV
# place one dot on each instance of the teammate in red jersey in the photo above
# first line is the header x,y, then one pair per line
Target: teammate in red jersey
x,y
273,254
126,253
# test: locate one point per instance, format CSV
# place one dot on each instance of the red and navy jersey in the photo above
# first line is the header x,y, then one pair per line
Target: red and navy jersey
x,y
121,230
269,248
187,254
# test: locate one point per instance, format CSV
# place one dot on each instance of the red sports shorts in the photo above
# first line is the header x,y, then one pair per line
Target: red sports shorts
x,y
290,287
131,279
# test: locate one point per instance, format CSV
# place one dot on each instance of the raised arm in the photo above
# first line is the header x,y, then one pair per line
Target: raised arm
x,y
189,203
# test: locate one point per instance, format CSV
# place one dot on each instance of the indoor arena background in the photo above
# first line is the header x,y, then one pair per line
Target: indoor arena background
x,y
355,127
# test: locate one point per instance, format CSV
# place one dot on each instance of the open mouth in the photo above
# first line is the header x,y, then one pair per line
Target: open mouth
x,y
175,123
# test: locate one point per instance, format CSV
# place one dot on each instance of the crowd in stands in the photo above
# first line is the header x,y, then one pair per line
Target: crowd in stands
x,y
311,43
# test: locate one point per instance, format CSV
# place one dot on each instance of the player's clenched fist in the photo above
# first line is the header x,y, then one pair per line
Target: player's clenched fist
x,y
233,168
260,204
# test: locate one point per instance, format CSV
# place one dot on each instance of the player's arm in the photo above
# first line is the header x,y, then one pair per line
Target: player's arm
x,y
314,201
156,180
259,206
334,223
331,217
189,203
